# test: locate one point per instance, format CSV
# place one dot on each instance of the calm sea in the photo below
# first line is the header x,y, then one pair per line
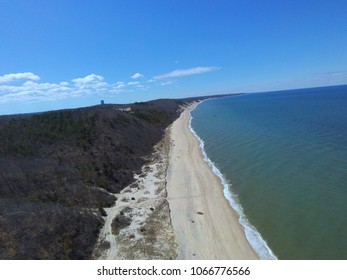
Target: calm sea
x,y
282,157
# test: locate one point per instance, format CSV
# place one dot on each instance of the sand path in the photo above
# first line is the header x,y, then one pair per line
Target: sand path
x,y
148,233
205,225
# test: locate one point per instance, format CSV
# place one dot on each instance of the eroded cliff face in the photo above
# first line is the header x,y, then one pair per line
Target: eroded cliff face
x,y
58,170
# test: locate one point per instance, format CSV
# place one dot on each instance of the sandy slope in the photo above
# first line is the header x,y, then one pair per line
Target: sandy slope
x,y
148,233
205,225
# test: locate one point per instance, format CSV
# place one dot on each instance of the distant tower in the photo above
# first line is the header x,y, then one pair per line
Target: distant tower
x,y
102,102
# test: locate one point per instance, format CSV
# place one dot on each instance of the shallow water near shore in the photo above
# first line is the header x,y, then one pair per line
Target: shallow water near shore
x,y
284,157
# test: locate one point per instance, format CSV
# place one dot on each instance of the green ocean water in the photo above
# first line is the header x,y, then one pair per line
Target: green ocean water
x,y
283,158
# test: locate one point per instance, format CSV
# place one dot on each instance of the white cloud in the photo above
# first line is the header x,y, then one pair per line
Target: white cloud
x,y
18,76
119,85
136,76
186,72
165,83
90,84
133,83
28,88
92,78
31,91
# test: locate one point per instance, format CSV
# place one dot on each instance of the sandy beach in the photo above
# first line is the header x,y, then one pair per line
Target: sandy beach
x,y
175,209
205,225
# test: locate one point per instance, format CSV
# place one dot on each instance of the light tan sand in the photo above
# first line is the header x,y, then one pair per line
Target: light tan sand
x,y
149,235
205,225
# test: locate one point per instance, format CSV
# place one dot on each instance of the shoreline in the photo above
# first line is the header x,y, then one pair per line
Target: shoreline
x,y
254,238
204,223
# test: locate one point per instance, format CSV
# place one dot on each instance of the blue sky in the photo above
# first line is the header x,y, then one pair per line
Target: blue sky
x,y
72,53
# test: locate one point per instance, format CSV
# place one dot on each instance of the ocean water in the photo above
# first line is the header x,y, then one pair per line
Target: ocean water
x,y
282,157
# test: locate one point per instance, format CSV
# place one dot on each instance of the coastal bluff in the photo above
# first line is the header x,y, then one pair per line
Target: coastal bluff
x,y
60,169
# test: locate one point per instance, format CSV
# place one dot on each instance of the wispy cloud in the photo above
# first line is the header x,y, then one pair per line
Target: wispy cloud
x,y
165,83
136,76
119,85
330,75
133,83
313,80
7,78
186,72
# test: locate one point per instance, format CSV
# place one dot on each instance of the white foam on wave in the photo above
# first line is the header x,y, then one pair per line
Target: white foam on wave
x,y
253,236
